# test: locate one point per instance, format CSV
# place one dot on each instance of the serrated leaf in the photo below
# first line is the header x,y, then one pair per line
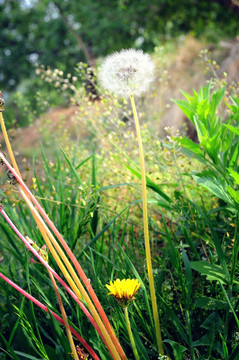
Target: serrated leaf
x,y
178,349
217,186
212,272
210,303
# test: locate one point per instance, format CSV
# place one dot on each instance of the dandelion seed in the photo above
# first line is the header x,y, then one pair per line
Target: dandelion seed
x,y
127,72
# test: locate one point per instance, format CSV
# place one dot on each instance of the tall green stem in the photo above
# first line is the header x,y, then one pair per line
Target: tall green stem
x,y
126,314
146,230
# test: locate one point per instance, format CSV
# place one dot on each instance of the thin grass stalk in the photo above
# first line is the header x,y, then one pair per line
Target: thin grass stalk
x,y
8,144
74,284
12,157
48,267
72,257
64,317
94,313
57,317
146,230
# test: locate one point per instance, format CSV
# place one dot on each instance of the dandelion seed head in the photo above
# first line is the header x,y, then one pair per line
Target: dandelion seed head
x,y
127,72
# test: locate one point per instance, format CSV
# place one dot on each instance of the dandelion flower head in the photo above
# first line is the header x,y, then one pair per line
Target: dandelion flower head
x,y
127,72
123,290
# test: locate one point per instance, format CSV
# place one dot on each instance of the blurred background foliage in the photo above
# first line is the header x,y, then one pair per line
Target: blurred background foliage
x,y
60,33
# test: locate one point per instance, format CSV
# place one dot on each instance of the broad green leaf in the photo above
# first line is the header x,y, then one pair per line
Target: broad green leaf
x,y
232,128
235,175
217,186
186,109
190,145
212,272
210,303
233,193
178,350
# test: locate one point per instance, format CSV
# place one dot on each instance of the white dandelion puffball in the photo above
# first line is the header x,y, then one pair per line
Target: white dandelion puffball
x,y
127,72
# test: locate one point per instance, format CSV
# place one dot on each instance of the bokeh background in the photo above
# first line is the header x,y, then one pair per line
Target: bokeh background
x,y
61,33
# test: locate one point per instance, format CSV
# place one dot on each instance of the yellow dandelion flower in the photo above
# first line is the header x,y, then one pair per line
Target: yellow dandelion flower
x,y
123,290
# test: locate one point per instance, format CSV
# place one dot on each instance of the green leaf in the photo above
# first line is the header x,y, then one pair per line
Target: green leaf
x,y
235,175
84,161
217,186
210,303
101,232
234,194
11,352
190,145
234,156
75,173
216,100
212,272
27,356
235,354
175,320
178,350
186,108
150,184
232,128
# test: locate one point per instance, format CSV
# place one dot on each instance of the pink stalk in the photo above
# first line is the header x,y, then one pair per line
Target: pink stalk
x,y
57,317
49,268
72,257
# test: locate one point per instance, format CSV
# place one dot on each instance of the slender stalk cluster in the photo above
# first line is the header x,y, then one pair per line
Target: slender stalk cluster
x,y
67,263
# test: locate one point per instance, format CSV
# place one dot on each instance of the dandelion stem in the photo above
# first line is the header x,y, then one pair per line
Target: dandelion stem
x,y
126,314
146,230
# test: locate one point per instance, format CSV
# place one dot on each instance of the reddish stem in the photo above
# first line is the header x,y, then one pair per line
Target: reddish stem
x,y
57,317
49,268
72,257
